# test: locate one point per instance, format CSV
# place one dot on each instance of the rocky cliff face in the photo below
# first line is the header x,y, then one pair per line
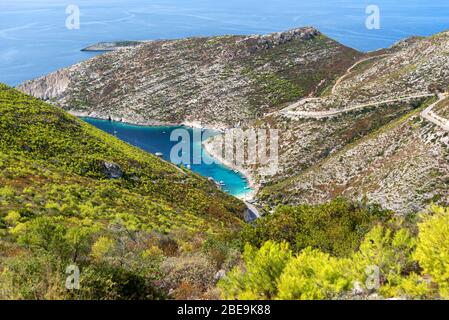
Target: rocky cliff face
x,y
218,81
49,87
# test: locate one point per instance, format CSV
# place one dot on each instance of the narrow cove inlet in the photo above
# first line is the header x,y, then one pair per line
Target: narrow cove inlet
x,y
156,140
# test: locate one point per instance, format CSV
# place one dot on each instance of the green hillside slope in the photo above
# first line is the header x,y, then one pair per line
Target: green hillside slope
x,y
63,182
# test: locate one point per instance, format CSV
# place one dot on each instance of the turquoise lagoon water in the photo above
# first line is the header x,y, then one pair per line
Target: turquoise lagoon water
x,y
157,140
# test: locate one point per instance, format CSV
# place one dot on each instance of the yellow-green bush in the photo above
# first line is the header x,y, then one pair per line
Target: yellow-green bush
x,y
336,227
314,275
259,277
432,250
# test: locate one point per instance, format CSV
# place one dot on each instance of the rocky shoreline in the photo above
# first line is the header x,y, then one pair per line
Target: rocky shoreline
x,y
189,124
216,154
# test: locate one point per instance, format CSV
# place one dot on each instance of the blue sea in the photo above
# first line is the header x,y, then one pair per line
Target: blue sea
x,y
157,140
34,39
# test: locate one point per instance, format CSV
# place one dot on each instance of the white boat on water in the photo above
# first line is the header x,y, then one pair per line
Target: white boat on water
x,y
159,154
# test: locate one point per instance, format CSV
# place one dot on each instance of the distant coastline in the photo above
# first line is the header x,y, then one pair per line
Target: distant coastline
x,y
113,45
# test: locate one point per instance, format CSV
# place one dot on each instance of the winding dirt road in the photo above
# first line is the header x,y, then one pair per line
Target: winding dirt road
x,y
289,111
429,115
337,112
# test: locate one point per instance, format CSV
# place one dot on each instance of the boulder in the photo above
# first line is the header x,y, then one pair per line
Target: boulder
x,y
112,170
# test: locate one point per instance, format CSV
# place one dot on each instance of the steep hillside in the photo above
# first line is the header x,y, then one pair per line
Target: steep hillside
x,y
218,81
411,68
48,153
372,95
68,190
414,68
403,166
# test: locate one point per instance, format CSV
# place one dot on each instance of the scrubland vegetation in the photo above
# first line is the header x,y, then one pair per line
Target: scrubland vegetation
x,y
140,228
395,259
71,194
